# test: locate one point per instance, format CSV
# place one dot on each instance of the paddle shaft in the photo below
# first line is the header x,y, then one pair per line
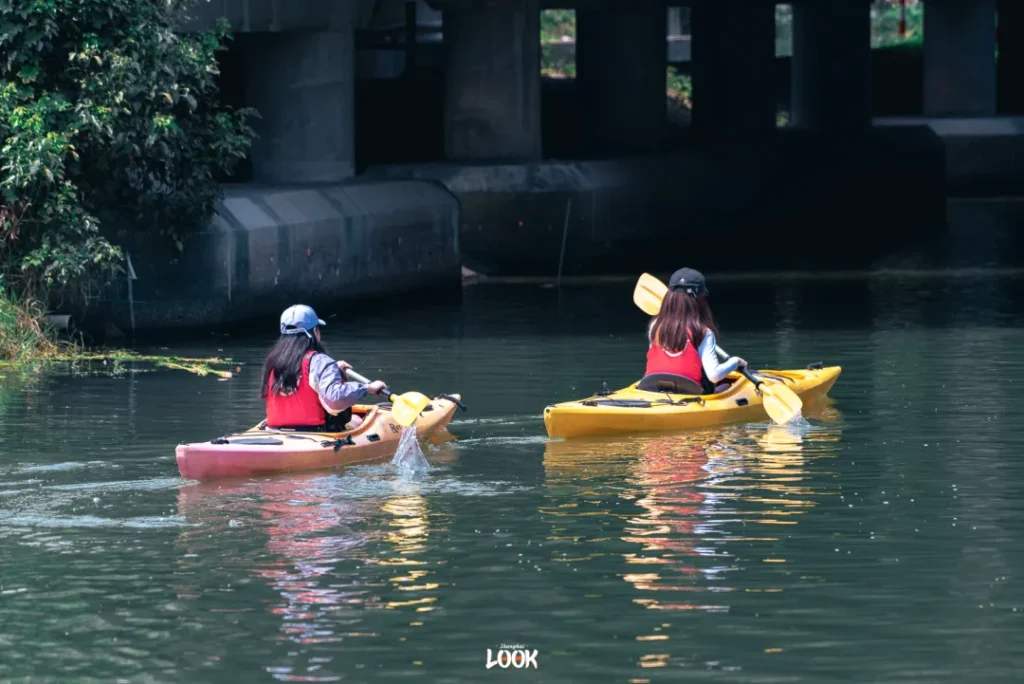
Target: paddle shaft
x,y
405,408
788,399
349,373
723,355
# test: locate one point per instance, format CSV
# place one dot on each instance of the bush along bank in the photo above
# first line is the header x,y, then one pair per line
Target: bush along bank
x,y
111,128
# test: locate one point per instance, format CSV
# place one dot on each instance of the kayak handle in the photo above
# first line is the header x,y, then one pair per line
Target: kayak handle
x,y
452,399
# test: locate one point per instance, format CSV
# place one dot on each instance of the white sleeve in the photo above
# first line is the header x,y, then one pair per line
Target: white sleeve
x,y
709,359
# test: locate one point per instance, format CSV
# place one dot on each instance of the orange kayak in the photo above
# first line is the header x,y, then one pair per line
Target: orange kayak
x,y
263,450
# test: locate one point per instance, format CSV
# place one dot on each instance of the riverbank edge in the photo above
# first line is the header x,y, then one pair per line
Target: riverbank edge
x,y
30,339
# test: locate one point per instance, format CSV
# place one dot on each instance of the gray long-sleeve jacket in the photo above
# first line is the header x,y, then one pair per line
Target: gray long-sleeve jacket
x,y
325,377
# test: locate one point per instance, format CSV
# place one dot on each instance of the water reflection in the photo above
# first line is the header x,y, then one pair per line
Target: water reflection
x,y
677,516
697,515
731,554
323,543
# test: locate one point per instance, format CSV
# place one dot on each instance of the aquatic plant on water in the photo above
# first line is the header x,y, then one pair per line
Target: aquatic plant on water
x,y
27,343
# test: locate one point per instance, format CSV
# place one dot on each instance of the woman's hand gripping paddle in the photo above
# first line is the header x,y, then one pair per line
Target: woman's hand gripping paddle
x,y
780,402
405,408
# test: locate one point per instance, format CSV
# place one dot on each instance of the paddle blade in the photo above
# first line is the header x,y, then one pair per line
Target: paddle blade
x,y
780,403
406,408
648,293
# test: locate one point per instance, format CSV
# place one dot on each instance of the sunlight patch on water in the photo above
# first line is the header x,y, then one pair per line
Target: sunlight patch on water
x,y
57,467
30,519
121,486
371,481
12,492
507,439
500,420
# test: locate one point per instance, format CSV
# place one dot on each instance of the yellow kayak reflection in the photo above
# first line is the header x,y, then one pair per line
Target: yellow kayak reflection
x,y
702,503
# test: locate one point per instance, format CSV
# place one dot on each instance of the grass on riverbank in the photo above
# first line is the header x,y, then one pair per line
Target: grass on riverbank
x,y
26,343
23,337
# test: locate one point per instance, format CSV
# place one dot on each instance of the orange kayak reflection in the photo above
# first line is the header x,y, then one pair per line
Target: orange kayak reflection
x,y
330,553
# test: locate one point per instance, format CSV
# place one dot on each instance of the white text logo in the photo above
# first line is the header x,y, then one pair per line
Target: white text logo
x,y
515,655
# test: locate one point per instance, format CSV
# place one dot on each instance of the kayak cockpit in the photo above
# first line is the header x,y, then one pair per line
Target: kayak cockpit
x,y
669,383
366,413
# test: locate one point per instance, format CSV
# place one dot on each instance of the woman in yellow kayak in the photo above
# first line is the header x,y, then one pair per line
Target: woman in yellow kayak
x,y
305,388
682,336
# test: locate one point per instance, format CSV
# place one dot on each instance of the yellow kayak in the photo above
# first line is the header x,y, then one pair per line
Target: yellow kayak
x,y
631,410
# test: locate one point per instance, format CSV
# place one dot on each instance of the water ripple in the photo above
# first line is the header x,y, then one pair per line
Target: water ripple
x,y
879,541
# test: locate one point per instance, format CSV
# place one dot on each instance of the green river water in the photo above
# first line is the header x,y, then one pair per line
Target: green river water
x,y
882,543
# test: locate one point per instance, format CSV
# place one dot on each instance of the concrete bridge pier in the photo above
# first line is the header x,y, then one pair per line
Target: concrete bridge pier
x,y
970,101
1010,66
620,73
733,67
305,230
832,65
492,88
959,58
302,85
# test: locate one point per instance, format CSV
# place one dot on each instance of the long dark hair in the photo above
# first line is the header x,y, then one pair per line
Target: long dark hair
x,y
285,360
683,318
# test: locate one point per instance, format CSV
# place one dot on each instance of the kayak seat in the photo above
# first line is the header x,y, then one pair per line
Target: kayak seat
x,y
669,382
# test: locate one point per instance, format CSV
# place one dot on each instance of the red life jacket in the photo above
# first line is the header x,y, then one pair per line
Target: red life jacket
x,y
687,364
301,408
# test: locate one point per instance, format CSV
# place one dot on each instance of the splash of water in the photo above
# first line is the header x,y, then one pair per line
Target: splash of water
x,y
798,421
409,457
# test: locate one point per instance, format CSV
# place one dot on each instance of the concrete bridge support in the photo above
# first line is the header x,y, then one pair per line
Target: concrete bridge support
x,y
492,91
620,72
733,67
1010,67
303,230
959,58
832,65
299,63
302,85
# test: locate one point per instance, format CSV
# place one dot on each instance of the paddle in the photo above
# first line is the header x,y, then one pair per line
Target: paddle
x,y
405,408
648,293
780,402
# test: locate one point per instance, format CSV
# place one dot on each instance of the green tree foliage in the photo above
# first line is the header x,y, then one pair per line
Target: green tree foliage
x,y
108,119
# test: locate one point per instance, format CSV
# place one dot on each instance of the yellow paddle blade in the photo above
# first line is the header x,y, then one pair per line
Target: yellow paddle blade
x,y
648,293
406,408
780,402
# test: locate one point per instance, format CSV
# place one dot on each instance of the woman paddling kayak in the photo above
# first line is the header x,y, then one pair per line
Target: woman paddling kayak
x,y
304,388
681,338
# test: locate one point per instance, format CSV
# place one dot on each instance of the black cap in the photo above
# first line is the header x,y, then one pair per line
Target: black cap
x,y
688,280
